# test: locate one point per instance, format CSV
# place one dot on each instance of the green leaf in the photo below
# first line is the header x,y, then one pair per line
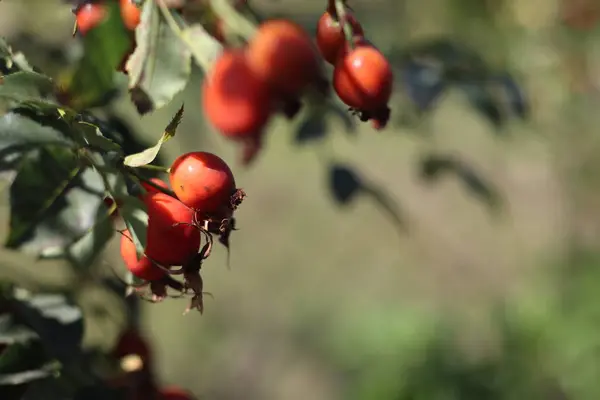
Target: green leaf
x,y
104,49
22,86
135,217
205,49
148,155
54,318
21,357
11,333
53,201
20,378
84,251
12,61
92,136
16,129
160,66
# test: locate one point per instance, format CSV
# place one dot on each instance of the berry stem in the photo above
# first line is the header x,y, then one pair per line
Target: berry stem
x,y
142,178
158,168
340,10
233,19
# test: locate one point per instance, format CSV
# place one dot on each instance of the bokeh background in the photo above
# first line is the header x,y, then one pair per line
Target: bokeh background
x,y
328,302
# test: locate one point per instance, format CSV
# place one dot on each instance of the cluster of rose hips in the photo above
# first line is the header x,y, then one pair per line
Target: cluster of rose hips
x,y
182,220
137,376
247,85
362,76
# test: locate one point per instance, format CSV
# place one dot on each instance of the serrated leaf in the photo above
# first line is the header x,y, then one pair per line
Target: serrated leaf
x,y
134,214
22,86
104,48
344,183
55,319
83,252
148,155
160,66
92,136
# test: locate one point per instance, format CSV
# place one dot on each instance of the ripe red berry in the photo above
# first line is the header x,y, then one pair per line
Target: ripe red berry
x,y
330,34
282,54
89,16
202,181
363,78
130,13
175,393
142,267
235,101
170,239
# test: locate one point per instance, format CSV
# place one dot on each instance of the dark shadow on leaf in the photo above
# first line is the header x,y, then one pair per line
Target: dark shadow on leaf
x,y
312,128
434,166
423,82
346,184
55,319
512,94
483,100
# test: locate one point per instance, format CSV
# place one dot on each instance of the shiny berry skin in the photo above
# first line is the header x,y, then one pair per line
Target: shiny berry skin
x,y
130,13
330,35
202,181
89,16
234,100
142,267
282,54
170,240
363,78
175,393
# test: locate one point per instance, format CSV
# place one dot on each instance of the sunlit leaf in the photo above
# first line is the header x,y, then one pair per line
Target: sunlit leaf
x,y
160,66
147,156
204,47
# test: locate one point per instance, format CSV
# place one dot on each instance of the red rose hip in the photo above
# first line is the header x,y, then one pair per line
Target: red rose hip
x,y
202,181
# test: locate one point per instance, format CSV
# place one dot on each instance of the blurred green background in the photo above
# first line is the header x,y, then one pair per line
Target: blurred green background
x,y
323,302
